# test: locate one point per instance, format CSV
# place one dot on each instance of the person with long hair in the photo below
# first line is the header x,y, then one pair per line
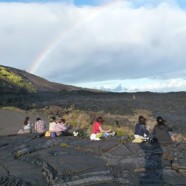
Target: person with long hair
x,y
161,131
27,125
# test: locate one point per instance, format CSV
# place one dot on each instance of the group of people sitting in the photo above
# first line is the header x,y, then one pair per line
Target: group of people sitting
x,y
160,132
56,128
59,128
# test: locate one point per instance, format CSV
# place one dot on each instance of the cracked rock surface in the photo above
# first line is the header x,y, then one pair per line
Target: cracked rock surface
x,y
72,161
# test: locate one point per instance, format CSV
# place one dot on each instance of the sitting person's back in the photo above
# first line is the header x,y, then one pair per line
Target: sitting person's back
x,y
40,127
27,128
52,124
140,127
60,127
161,131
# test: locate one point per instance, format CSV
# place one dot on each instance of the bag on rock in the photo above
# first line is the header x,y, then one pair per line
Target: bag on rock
x,y
52,134
47,134
138,140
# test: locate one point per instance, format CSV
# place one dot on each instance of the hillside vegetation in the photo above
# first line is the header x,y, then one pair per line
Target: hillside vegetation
x,y
12,81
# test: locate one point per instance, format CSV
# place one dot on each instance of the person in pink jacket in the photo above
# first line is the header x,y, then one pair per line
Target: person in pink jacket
x,y
61,128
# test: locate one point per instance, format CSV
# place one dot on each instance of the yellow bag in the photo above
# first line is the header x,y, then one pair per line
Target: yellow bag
x,y
47,133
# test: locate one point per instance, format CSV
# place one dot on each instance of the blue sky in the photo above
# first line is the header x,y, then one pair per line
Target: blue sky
x,y
135,3
153,3
77,2
116,45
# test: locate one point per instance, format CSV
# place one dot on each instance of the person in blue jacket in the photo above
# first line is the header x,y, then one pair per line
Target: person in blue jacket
x,y
140,128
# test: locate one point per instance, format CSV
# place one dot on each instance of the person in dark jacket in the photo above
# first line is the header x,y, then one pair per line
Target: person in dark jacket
x,y
161,131
140,128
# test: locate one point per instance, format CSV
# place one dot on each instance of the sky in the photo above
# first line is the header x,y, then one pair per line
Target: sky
x,y
115,45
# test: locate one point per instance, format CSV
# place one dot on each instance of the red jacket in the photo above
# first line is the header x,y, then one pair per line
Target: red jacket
x,y
95,127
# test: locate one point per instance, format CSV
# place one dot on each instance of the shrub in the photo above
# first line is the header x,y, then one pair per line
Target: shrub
x,y
77,118
120,132
124,131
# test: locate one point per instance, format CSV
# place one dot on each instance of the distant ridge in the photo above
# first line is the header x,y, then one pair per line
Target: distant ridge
x,y
16,80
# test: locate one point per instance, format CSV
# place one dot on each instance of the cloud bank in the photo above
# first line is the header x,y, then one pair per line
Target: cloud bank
x,y
117,41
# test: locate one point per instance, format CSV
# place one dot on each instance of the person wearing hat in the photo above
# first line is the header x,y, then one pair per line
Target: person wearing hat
x,y
161,131
140,128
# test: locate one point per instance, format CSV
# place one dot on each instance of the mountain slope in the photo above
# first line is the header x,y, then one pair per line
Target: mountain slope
x,y
15,80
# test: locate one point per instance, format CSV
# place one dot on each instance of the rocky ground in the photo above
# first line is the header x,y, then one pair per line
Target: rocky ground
x,y
70,161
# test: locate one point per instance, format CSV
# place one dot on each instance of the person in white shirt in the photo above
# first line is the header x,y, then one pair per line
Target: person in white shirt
x,y
52,124
27,128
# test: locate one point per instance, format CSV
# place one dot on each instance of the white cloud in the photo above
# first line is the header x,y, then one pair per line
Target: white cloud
x,y
141,85
92,44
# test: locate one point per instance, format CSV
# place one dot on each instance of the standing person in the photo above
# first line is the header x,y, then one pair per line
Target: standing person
x,y
140,128
161,131
61,128
27,128
97,130
40,127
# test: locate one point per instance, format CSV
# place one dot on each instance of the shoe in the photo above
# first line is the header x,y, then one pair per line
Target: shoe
x,y
75,133
113,133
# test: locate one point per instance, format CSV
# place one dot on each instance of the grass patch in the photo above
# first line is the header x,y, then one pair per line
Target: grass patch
x,y
64,145
11,109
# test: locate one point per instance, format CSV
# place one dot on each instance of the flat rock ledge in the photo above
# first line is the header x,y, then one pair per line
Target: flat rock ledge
x,y
72,161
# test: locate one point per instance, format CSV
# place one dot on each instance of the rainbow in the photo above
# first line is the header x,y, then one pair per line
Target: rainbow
x,y
45,52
